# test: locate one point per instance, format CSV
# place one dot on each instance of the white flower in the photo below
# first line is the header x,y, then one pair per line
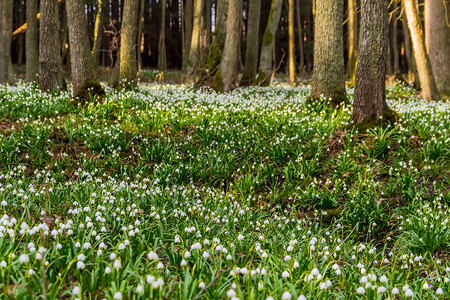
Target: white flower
x,y
117,264
107,270
287,258
360,290
229,257
177,239
395,291
315,272
121,246
24,258
301,297
409,293
205,254
381,289
439,291
80,265
231,293
139,289
76,290
201,285
187,254
183,263
160,266
384,279
31,272
426,286
118,296
81,257
286,296
3,264
322,285
286,274
150,279
296,264
152,255
240,237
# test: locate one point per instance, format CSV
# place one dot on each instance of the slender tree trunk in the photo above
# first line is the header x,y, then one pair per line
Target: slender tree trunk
x,y
301,64
369,106
268,43
291,43
80,53
49,48
226,77
128,43
100,21
427,83
409,53
21,41
188,22
32,41
162,58
329,71
437,37
395,52
218,42
194,52
352,40
140,34
5,39
64,38
251,53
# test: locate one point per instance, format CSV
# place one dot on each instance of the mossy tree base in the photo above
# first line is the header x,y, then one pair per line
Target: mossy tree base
x,y
387,118
335,101
90,91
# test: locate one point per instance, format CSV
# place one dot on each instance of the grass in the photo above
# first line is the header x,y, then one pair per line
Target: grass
x,y
168,192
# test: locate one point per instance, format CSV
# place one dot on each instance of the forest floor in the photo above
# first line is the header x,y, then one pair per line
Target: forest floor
x,y
168,192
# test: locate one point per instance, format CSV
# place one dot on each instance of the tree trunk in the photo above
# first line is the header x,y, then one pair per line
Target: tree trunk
x,y
80,53
140,35
49,48
437,37
162,58
128,36
5,39
216,48
352,40
226,77
369,106
32,41
427,83
395,52
268,42
329,71
193,60
251,53
100,21
291,43
301,64
188,19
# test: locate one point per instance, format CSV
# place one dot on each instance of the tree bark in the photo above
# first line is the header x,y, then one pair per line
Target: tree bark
x,y
369,106
49,48
329,71
352,40
395,52
100,21
291,43
194,52
437,38
426,78
32,41
80,53
226,77
128,36
162,58
268,43
218,42
5,39
140,35
188,19
301,64
251,53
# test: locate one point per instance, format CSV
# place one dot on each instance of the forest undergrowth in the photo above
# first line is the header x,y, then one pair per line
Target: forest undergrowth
x,y
167,192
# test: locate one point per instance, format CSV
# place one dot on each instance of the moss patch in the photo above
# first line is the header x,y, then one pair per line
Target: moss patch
x,y
91,90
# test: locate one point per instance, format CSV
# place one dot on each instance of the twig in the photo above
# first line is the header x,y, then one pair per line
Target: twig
x,y
210,284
